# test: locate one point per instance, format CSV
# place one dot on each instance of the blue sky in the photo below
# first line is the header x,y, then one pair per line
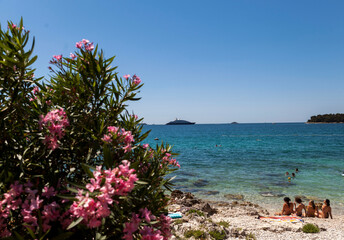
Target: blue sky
x,y
205,61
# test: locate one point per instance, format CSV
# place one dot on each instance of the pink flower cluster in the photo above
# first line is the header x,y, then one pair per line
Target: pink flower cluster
x,y
135,79
169,160
35,91
55,122
109,183
158,231
119,136
27,203
86,44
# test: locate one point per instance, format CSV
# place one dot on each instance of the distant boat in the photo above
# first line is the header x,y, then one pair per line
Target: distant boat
x,y
180,122
234,123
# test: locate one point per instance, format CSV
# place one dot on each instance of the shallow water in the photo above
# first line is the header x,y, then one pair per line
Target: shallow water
x,y
251,159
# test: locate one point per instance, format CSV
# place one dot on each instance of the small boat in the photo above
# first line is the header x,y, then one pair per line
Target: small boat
x,y
180,122
156,139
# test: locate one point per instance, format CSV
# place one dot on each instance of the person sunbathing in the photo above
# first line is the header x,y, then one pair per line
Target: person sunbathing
x,y
298,208
326,210
312,210
287,207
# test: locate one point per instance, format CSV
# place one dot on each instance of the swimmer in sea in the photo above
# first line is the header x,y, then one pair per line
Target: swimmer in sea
x,y
298,208
293,174
312,210
287,207
296,170
326,210
286,173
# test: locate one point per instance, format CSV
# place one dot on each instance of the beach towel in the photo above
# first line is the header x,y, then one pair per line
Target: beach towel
x,y
175,215
282,219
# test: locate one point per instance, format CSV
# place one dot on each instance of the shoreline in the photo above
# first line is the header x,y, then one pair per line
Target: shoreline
x,y
238,220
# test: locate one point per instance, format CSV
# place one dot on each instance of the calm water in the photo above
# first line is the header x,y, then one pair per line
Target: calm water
x,y
251,159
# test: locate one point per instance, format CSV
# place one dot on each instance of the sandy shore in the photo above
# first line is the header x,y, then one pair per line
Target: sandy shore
x,y
238,220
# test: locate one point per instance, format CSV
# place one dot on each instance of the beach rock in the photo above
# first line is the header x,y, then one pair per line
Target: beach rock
x,y
234,196
211,193
314,198
208,209
201,183
271,194
189,195
190,202
177,194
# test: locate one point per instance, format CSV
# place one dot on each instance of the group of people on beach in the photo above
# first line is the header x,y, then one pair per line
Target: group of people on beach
x,y
310,211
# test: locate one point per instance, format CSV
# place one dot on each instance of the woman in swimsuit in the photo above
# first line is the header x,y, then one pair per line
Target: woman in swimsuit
x,y
312,210
326,210
298,208
287,207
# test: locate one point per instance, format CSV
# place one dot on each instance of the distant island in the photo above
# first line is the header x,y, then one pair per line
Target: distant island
x,y
179,122
327,118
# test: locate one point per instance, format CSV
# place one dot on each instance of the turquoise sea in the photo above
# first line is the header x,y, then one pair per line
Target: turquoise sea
x,y
251,160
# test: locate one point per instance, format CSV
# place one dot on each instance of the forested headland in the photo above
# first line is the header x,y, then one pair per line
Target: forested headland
x,y
327,118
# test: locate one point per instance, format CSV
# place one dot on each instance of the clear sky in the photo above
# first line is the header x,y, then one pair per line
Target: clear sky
x,y
205,61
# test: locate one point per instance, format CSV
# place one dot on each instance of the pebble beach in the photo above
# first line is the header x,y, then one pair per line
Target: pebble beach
x,y
204,219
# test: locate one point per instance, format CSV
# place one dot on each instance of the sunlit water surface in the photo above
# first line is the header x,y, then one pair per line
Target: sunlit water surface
x,y
251,159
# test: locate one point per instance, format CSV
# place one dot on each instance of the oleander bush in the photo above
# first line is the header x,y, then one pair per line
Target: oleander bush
x,y
73,163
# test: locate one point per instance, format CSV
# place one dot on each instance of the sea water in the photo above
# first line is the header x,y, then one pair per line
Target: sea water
x,y
251,160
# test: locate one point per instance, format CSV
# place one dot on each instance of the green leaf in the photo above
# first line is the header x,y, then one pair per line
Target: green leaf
x,y
87,170
141,182
74,223
18,236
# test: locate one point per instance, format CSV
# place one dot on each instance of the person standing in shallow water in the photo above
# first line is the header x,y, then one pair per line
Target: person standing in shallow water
x,y
287,207
326,210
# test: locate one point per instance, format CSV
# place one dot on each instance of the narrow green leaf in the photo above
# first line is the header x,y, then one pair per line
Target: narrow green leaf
x,y
74,223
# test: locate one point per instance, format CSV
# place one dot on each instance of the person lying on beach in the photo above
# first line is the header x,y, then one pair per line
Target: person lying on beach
x,y
312,210
326,210
298,208
287,207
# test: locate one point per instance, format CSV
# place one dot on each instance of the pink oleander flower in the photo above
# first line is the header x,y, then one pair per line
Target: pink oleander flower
x,y
13,25
147,215
89,46
145,145
107,183
86,44
148,233
57,57
167,159
27,201
165,229
121,137
126,76
78,45
107,138
35,90
72,56
55,122
136,80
